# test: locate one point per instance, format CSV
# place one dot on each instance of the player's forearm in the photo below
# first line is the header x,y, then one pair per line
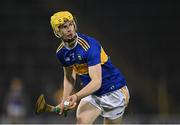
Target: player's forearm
x,y
69,81
93,86
68,88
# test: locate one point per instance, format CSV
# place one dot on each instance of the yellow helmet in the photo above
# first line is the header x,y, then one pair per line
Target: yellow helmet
x,y
60,18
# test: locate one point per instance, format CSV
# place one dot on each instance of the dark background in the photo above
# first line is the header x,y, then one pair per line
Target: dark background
x,y
141,37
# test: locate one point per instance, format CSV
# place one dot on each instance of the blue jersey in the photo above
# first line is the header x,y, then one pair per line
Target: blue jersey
x,y
88,52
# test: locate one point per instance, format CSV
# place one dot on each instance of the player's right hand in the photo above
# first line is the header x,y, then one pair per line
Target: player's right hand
x,y
72,101
61,106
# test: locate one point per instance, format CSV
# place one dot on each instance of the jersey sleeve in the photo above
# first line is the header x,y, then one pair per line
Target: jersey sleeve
x,y
93,55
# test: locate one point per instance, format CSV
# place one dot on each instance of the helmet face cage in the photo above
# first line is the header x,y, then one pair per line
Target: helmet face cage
x,y
59,19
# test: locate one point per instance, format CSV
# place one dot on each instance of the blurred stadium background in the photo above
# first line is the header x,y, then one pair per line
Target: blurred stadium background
x,y
141,37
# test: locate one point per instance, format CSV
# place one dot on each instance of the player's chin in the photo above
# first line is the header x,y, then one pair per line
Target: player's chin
x,y
70,39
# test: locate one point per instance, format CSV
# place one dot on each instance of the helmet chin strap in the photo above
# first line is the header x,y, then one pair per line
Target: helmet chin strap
x,y
71,42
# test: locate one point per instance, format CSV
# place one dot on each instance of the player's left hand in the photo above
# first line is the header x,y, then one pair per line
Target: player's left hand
x,y
72,101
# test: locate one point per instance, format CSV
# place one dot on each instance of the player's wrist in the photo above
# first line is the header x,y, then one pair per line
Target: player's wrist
x,y
77,97
64,99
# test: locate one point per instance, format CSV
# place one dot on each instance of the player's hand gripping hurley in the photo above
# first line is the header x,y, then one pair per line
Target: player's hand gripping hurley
x,y
41,106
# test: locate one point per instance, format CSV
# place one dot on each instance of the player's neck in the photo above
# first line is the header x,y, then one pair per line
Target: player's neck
x,y
71,44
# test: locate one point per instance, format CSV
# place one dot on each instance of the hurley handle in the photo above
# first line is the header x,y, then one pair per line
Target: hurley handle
x,y
58,110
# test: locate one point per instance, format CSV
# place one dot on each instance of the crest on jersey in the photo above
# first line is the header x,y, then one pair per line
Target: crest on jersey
x,y
79,57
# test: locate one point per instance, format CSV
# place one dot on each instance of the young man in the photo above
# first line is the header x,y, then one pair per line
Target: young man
x,y
104,92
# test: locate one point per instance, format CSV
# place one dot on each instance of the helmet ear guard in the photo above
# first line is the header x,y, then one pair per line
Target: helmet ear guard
x,y
57,35
75,23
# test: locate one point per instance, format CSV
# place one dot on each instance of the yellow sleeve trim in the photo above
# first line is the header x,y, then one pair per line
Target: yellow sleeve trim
x,y
104,56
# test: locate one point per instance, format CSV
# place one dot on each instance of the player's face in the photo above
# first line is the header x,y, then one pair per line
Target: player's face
x,y
67,30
